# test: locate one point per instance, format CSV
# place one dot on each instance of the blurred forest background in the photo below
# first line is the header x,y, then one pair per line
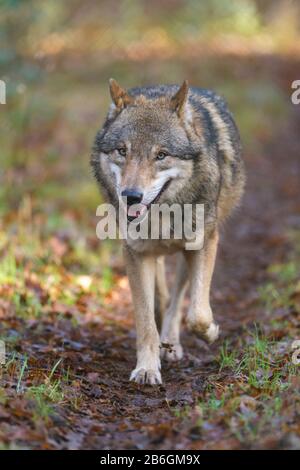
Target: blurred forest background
x,y
56,59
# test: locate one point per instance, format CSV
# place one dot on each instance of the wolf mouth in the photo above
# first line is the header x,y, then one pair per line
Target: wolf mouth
x,y
163,189
145,207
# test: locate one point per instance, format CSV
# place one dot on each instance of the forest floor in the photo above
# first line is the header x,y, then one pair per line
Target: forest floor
x,y
70,337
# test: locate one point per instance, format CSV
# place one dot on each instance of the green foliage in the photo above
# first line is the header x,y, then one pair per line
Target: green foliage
x,y
209,17
282,292
107,280
8,268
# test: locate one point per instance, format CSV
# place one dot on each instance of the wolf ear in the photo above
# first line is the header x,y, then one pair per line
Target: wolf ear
x,y
179,99
119,96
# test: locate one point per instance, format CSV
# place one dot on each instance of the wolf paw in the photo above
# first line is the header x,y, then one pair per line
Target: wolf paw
x,y
171,352
146,376
210,334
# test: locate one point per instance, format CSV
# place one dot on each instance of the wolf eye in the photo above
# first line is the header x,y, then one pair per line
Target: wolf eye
x,y
161,155
122,151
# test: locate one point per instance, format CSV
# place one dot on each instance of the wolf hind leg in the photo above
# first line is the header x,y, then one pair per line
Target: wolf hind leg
x,y
162,296
171,349
201,265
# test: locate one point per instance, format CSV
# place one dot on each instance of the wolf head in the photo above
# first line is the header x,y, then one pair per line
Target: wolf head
x,y
147,147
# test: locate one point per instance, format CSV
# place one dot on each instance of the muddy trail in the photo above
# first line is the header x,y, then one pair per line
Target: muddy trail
x,y
93,405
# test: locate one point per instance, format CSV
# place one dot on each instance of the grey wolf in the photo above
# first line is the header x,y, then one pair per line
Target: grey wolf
x,y
166,144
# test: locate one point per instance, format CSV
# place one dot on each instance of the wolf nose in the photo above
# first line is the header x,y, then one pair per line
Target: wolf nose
x,y
133,196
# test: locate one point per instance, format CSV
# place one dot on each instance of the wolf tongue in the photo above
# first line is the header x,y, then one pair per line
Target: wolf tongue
x,y
136,210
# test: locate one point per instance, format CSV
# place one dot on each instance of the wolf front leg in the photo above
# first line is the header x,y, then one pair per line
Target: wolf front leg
x,y
141,275
170,333
201,265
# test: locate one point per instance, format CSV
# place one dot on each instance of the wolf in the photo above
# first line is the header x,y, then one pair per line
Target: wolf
x,y
169,144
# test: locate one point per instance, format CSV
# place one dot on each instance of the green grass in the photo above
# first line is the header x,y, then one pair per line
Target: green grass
x,y
106,280
226,358
280,292
27,305
211,404
261,368
274,297
8,268
285,272
44,396
249,404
